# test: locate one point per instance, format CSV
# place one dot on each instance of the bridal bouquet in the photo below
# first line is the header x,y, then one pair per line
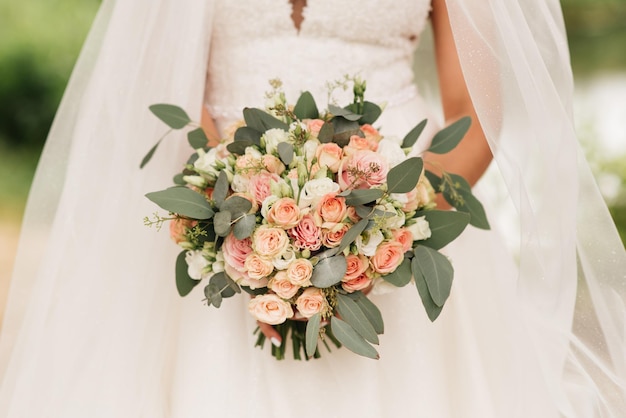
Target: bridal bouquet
x,y
307,211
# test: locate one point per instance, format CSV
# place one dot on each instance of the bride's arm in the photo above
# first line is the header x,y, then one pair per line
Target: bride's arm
x,y
472,156
209,127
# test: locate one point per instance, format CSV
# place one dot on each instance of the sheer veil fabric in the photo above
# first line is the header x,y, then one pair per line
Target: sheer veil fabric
x,y
81,318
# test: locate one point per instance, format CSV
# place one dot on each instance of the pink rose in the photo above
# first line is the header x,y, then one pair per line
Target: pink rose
x,y
311,301
357,264
269,242
357,143
314,126
332,237
307,235
179,228
244,165
329,155
236,251
362,170
284,213
331,208
257,267
270,309
361,282
282,286
352,215
388,257
404,237
260,185
300,271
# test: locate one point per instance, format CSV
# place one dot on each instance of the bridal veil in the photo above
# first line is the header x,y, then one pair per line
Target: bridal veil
x,y
84,287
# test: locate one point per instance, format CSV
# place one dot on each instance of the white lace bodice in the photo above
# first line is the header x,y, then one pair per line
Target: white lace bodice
x,y
254,41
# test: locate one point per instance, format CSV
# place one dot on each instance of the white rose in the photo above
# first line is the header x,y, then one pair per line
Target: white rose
x,y
253,153
310,147
391,151
206,162
267,204
196,264
272,138
314,190
368,245
381,286
240,183
420,229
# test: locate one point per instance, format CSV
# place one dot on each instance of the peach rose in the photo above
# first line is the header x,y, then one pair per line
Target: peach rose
x,y
270,309
372,135
284,213
269,242
329,155
332,237
331,208
257,267
300,271
352,215
388,257
307,234
357,143
362,281
311,301
273,164
260,185
236,251
314,126
243,279
362,170
404,237
282,286
179,228
357,264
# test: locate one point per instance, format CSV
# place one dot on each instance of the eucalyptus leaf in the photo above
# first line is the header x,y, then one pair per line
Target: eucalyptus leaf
x,y
432,310
445,227
221,223
262,121
370,310
213,295
445,140
404,177
221,281
371,113
344,113
434,180
305,107
411,138
363,196
245,133
239,147
468,204
329,271
220,191
237,206
183,201
146,159
232,284
364,212
192,159
437,272
197,138
244,227
351,234
351,313
312,334
401,276
184,283
343,130
326,133
172,116
285,151
178,179
348,337
254,292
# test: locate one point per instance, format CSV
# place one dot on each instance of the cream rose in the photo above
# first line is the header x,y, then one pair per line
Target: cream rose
x,y
270,309
367,245
388,257
269,242
420,229
257,267
329,155
314,190
311,301
273,137
300,271
282,286
284,213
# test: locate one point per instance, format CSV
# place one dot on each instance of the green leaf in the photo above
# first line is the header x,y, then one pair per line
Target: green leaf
x,y
351,234
172,116
432,310
371,112
343,130
178,179
285,151
245,133
221,223
329,271
347,336
370,310
363,196
327,132
244,227
470,204
437,272
312,334
221,281
237,206
344,113
445,226
213,294
262,121
434,180
184,283
220,191
404,177
183,201
411,138
401,276
197,138
352,314
305,107
146,159
239,147
445,140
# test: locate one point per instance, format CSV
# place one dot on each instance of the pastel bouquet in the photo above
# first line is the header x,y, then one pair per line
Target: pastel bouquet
x,y
307,211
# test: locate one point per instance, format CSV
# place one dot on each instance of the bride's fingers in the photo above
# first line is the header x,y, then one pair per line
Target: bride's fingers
x,y
270,333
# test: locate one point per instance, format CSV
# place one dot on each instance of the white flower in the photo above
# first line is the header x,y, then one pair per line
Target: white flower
x,y
197,181
240,184
206,162
392,222
267,204
391,151
420,229
310,147
285,259
381,286
218,264
196,264
368,245
253,153
314,190
272,138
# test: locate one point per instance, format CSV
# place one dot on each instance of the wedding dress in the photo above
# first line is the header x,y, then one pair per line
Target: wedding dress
x,y
98,330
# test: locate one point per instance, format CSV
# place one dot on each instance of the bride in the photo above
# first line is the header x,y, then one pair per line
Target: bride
x,y
94,326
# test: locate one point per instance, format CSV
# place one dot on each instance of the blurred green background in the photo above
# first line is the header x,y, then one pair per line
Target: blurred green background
x,y
40,40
